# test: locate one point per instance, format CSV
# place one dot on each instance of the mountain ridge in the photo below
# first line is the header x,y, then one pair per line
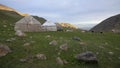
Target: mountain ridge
x,y
108,25
6,8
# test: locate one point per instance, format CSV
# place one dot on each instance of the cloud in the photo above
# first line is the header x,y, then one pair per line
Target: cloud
x,y
73,11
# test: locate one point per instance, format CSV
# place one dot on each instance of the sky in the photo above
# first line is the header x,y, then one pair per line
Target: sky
x,y
69,11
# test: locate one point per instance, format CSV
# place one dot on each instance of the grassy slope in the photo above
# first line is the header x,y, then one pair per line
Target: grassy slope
x,y
95,42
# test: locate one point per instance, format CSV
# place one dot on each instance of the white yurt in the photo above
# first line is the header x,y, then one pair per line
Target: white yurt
x,y
28,24
49,26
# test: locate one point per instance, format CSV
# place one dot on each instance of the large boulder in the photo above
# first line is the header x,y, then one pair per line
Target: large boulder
x,y
4,50
87,57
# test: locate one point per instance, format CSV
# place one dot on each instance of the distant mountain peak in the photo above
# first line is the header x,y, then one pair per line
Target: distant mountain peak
x,y
6,8
68,25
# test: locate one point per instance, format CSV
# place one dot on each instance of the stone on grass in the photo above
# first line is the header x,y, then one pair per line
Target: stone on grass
x,y
4,50
54,42
118,57
11,39
48,36
65,61
111,53
64,47
20,33
27,44
59,61
41,56
83,43
87,57
4,25
23,60
76,38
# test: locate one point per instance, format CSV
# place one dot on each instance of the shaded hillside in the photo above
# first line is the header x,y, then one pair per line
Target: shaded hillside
x,y
40,19
8,19
110,24
6,8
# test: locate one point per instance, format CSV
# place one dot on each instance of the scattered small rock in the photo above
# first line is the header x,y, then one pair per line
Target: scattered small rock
x,y
118,57
4,25
54,42
20,33
26,44
76,38
11,39
23,60
48,36
59,53
65,61
64,47
111,53
41,56
59,61
4,50
106,43
101,47
83,43
32,41
87,57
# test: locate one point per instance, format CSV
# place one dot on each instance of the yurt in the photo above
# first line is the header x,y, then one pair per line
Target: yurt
x,y
49,26
28,24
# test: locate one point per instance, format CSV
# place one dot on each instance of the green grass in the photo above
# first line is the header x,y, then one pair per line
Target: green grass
x,y
95,42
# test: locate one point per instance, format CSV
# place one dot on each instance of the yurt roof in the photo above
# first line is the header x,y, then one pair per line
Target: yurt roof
x,y
49,23
29,20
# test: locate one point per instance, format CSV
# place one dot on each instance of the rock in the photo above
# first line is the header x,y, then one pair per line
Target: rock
x,y
65,61
20,33
23,60
26,44
111,53
4,25
118,57
83,43
41,56
48,36
11,39
87,57
59,61
54,42
32,41
64,47
76,38
4,50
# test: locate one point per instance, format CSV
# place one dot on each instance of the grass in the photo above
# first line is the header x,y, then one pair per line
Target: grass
x,y
95,42
100,44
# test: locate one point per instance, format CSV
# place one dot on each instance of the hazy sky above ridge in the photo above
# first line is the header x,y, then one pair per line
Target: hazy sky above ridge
x,y
71,11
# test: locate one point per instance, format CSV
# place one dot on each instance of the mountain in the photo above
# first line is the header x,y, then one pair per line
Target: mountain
x,y
108,25
68,25
6,8
10,15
